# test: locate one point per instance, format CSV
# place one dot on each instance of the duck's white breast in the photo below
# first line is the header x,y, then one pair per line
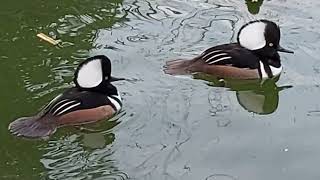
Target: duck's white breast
x,y
276,71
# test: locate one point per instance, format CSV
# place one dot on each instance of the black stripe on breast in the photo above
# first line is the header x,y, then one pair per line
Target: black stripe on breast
x,y
115,98
268,70
113,106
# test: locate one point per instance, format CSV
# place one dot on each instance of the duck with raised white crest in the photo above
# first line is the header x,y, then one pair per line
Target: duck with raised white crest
x,y
93,98
254,56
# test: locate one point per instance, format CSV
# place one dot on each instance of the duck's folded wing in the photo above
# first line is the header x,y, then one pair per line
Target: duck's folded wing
x,y
230,55
71,107
75,99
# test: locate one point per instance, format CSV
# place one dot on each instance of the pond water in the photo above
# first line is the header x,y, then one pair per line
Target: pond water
x,y
171,127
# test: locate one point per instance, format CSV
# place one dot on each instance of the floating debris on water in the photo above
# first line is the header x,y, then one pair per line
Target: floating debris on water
x,y
48,39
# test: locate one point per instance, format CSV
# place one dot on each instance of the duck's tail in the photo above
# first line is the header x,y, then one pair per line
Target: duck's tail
x,y
178,67
33,127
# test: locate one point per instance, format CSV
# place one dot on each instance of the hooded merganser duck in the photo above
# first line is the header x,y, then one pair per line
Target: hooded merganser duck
x,y
254,56
93,98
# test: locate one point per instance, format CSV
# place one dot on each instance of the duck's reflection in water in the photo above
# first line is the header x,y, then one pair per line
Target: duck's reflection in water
x,y
82,153
258,96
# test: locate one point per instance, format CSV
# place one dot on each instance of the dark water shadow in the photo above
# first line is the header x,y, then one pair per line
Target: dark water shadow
x,y
260,97
254,6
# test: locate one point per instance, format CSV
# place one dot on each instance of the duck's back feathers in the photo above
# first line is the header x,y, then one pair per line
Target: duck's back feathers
x,y
230,55
33,127
225,61
73,107
74,99
178,67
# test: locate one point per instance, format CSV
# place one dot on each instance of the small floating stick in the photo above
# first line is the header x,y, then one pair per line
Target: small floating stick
x,y
48,39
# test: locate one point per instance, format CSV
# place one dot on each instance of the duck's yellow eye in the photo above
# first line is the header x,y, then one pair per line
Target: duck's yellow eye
x,y
270,44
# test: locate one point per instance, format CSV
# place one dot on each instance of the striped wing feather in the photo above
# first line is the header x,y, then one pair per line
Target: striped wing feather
x,y
75,100
230,54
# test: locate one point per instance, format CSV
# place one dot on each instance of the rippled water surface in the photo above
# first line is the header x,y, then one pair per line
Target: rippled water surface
x,y
171,127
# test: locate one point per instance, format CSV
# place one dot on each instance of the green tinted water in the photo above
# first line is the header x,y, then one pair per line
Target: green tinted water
x,y
33,71
172,127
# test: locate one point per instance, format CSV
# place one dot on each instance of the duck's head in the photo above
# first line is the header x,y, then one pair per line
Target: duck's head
x,y
262,37
94,73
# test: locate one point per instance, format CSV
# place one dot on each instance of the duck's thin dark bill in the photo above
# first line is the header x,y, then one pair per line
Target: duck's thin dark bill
x,y
281,49
116,79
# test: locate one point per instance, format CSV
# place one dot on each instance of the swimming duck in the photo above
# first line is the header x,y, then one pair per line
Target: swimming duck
x,y
253,56
93,98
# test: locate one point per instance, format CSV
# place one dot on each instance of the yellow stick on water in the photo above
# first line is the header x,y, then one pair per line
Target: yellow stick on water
x,y
48,39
